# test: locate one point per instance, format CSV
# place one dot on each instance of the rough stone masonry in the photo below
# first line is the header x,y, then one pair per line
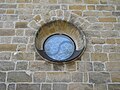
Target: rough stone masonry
x,y
21,68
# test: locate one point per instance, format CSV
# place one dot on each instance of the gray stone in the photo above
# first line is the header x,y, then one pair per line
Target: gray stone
x,y
19,32
7,32
8,25
21,65
46,87
2,76
23,40
58,67
6,65
19,77
59,86
113,86
99,77
28,87
80,86
5,56
40,66
2,86
98,66
100,87
30,33
5,40
11,87
10,17
116,13
39,76
77,77
23,56
117,26
58,77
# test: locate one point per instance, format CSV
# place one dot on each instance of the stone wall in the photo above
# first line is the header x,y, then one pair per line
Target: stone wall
x,y
21,68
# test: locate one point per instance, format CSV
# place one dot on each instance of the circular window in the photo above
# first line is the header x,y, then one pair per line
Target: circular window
x,y
59,47
60,41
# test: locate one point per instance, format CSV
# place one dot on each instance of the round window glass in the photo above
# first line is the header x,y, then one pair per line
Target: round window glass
x,y
59,47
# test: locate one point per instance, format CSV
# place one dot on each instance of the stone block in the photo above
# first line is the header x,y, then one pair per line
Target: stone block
x,y
11,87
97,41
98,48
118,41
109,48
77,77
110,41
5,40
8,47
115,76
113,66
117,26
103,2
21,65
59,86
91,7
21,25
114,56
2,76
98,66
113,86
99,57
28,87
80,86
39,77
40,66
53,1
19,32
19,77
100,87
71,66
99,77
106,19
46,87
37,18
106,34
2,86
7,65
58,67
23,40
24,1
77,7
23,56
58,77
7,32
91,1
5,56
105,8
116,13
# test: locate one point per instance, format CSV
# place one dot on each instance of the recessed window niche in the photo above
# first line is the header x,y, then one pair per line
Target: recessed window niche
x,y
60,41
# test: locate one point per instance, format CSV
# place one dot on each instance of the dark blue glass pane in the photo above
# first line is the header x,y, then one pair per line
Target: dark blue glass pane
x,y
59,47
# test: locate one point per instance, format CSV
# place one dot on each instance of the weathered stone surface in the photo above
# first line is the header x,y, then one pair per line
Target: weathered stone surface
x,y
77,7
98,48
91,1
110,41
105,8
114,56
85,57
21,25
11,87
99,57
5,56
98,41
84,66
2,86
19,77
7,32
8,47
30,33
80,86
23,56
46,87
91,13
39,77
58,67
113,66
58,77
106,34
116,13
19,32
113,86
71,66
99,77
2,76
107,19
28,87
77,77
117,26
6,65
98,66
59,86
5,40
21,65
103,1
100,87
22,40
91,7
40,66
115,76
109,48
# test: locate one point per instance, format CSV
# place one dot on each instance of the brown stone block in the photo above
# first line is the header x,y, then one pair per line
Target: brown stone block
x,y
53,1
98,41
115,76
110,41
24,1
99,57
103,1
91,7
105,8
77,7
8,47
91,1
110,19
21,25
